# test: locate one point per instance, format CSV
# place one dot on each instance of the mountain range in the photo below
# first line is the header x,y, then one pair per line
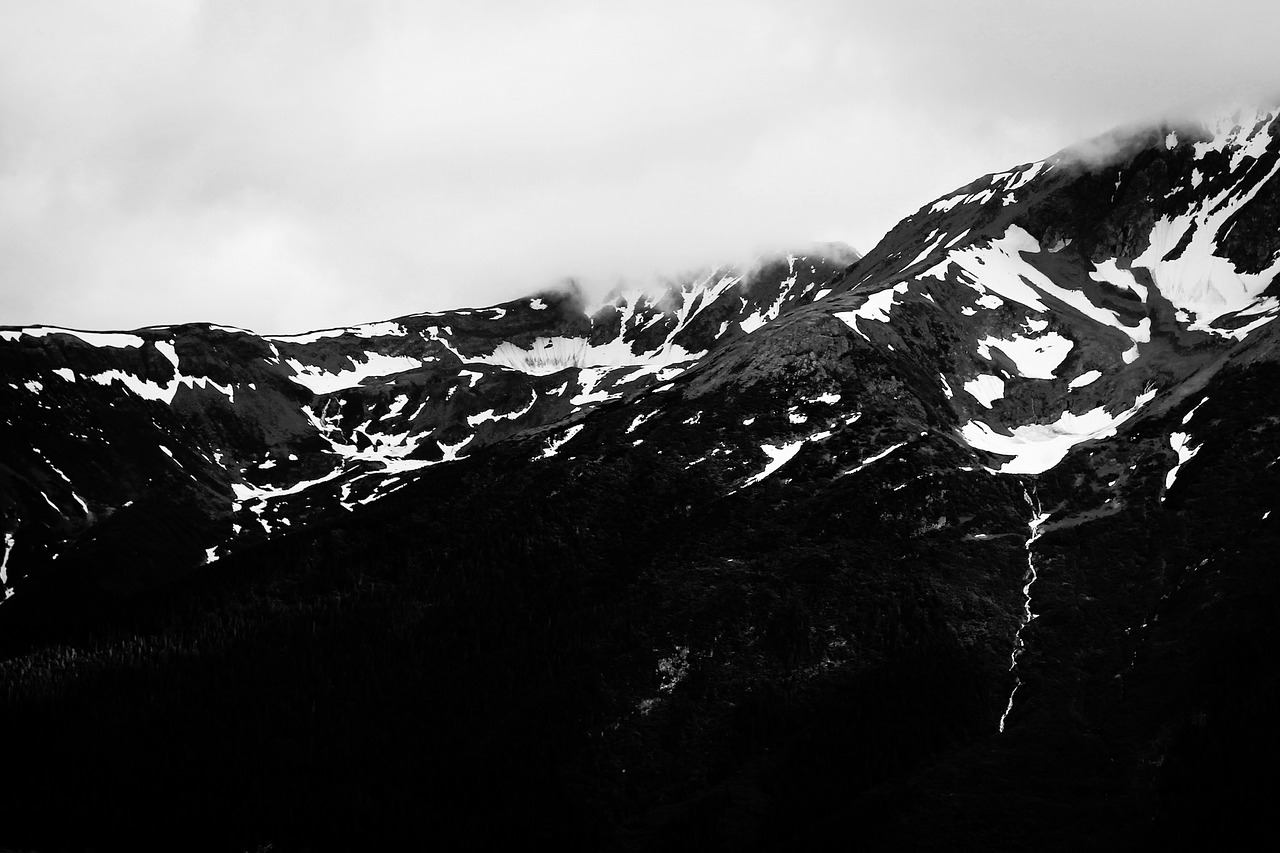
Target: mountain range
x,y
965,543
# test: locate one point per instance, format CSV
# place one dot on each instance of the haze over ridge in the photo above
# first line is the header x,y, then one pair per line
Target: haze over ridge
x,y
315,165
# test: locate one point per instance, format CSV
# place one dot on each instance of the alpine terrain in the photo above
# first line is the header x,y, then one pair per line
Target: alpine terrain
x,y
966,543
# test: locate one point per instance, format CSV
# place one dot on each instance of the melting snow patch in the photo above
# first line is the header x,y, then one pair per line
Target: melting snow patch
x,y
1186,419
66,373
320,381
118,340
379,330
1038,447
589,378
876,307
1000,267
551,355
1036,358
1181,444
640,419
452,451
488,415
1108,273
874,459
946,388
1084,379
537,305
33,386
985,388
141,387
1198,281
4,562
778,456
554,445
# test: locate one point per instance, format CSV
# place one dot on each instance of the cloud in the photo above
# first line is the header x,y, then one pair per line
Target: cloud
x,y
292,165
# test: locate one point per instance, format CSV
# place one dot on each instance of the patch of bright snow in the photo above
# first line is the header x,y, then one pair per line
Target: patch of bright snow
x,y
1036,448
1036,358
985,388
778,456
1181,444
1084,379
553,446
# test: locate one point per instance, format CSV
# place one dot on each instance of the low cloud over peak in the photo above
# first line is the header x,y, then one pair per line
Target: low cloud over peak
x,y
299,165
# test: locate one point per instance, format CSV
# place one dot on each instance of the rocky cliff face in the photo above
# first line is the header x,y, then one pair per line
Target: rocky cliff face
x,y
958,541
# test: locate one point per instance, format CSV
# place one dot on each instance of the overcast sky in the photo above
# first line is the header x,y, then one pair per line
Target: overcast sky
x,y
290,165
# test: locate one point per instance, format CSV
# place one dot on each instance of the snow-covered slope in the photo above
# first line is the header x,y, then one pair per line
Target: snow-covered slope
x,y
270,431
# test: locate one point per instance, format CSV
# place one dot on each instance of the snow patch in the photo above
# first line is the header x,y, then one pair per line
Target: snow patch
x,y
1108,272
553,446
1087,378
4,562
488,414
640,419
551,355
985,388
1036,448
875,307
778,456
1000,267
874,459
118,340
1035,358
1198,281
318,380
1181,444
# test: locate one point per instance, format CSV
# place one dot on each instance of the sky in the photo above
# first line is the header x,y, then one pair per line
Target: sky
x,y
299,164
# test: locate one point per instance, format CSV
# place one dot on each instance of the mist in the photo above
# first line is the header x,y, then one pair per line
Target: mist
x,y
304,165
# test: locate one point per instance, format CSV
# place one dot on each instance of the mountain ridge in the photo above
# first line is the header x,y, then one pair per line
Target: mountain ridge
x,y
954,545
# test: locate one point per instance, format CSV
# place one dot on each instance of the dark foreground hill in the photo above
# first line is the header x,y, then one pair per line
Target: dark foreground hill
x,y
965,544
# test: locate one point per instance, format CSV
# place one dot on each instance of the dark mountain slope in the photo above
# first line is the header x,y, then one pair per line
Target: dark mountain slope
x,y
964,545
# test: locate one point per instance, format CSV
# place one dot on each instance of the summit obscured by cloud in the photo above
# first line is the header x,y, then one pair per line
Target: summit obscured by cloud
x,y
294,165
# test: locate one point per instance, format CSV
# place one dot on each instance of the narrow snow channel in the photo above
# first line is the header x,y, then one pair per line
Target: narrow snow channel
x,y
1037,518
4,567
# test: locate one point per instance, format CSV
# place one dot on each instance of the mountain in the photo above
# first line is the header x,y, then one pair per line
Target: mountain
x,y
963,544
229,436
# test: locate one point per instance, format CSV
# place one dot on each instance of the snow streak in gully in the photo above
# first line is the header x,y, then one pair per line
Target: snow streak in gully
x,y
1037,518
